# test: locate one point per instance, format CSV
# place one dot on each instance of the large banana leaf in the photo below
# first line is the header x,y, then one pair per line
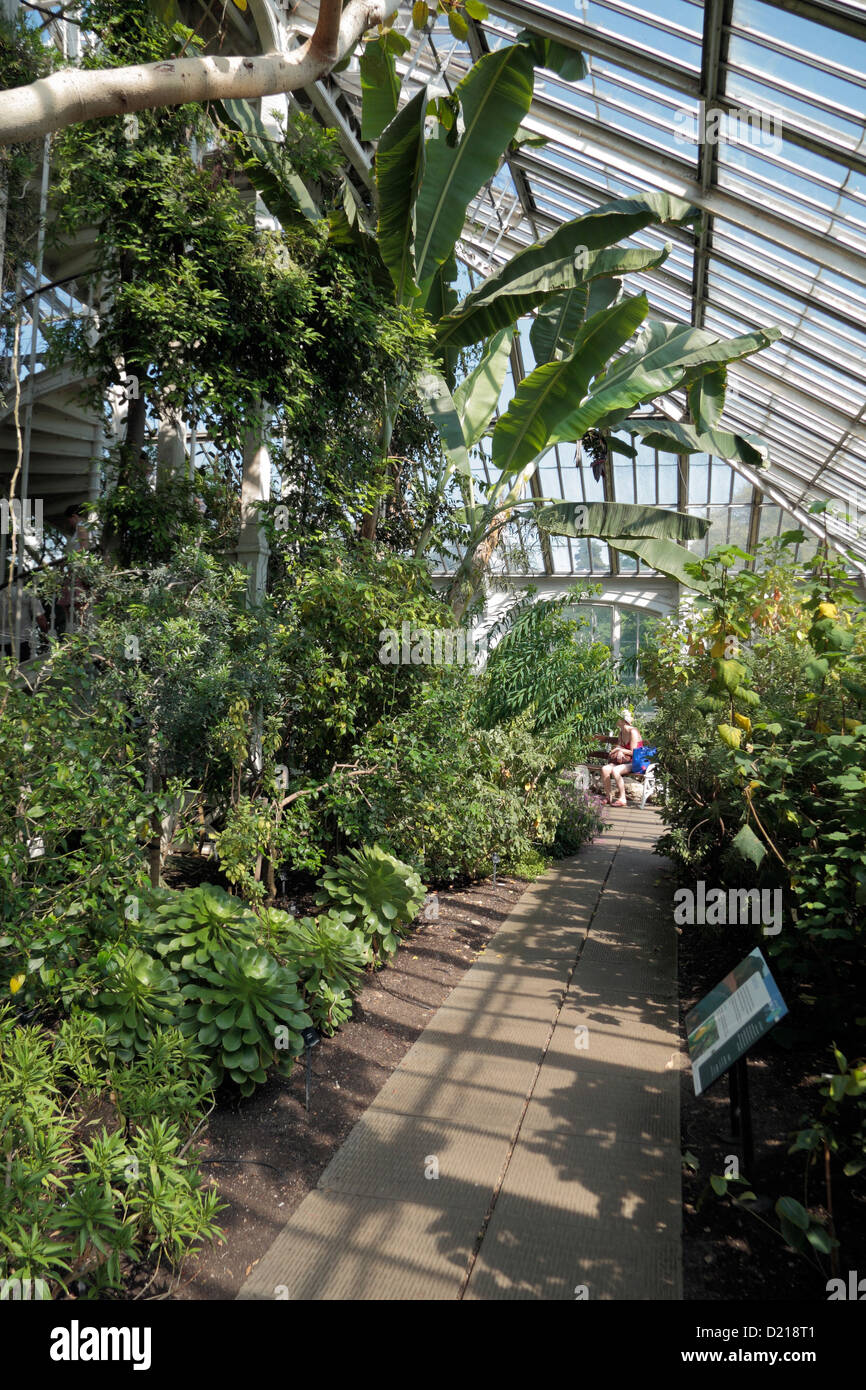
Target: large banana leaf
x,y
399,169
687,439
707,398
558,263
661,359
648,533
618,521
494,97
556,323
441,409
380,88
664,346
477,397
481,315
284,192
442,296
547,395
567,63
665,556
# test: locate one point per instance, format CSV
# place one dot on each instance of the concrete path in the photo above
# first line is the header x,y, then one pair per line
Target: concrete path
x,y
527,1147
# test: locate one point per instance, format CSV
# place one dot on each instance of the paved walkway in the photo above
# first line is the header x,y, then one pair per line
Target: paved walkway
x,y
545,1095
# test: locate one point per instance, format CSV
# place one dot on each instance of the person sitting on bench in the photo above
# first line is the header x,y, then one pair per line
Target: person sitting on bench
x,y
620,759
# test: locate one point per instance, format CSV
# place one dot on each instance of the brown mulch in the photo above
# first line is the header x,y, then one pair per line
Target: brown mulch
x,y
292,1148
727,1252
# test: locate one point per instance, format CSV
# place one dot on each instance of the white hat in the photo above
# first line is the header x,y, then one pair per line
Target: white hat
x,y
626,715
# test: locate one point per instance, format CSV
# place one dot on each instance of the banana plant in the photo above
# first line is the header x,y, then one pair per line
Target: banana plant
x,y
591,371
588,382
588,378
703,434
572,280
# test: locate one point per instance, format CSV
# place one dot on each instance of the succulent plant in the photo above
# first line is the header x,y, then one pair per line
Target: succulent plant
x,y
329,1008
187,929
330,956
381,893
139,996
247,1011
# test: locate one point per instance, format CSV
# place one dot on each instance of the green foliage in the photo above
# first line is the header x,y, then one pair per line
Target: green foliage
x,y
280,169
581,820
170,1078
23,59
330,611
545,272
92,1175
74,818
542,666
139,995
494,97
529,863
250,832
246,1010
380,85
797,1227
212,316
762,732
446,794
382,894
187,929
547,396
330,956
148,525
181,658
840,1129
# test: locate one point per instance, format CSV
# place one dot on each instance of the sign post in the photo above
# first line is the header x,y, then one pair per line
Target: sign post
x,y
311,1039
723,1026
741,1113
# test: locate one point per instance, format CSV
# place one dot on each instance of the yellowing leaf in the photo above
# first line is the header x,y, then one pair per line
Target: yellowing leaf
x,y
16,982
729,735
744,722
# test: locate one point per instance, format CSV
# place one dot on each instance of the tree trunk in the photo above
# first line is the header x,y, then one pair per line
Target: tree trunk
x,y
471,574
75,94
370,520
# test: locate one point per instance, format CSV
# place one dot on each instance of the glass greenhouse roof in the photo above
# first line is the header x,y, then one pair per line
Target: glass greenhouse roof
x,y
782,241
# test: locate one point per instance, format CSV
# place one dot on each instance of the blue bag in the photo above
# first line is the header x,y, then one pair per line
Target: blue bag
x,y
640,757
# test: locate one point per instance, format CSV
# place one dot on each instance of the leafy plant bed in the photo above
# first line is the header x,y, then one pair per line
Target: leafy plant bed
x,y
727,1252
349,1070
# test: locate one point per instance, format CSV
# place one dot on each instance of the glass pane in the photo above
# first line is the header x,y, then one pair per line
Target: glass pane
x,y
623,482
628,632
646,485
699,469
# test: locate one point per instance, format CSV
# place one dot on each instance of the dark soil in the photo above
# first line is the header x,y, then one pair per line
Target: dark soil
x,y
727,1252
292,1148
